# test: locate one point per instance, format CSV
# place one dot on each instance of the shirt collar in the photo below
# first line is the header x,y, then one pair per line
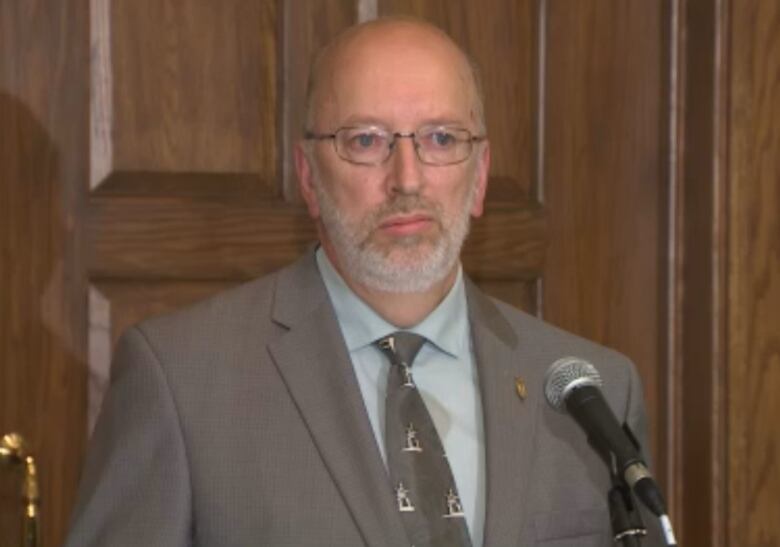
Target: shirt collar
x,y
446,326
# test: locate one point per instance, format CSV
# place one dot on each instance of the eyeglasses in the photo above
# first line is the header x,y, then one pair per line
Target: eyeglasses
x,y
370,145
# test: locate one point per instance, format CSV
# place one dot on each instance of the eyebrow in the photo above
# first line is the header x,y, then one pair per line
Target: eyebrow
x,y
362,121
354,120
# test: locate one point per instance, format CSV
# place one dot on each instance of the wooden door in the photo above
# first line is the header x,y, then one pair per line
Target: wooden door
x,y
144,164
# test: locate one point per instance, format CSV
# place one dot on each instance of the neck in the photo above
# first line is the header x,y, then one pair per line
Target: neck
x,y
404,310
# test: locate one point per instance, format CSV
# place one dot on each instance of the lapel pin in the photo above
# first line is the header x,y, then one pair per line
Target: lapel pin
x,y
520,387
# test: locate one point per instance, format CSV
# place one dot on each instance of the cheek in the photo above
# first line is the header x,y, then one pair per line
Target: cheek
x,y
453,189
353,192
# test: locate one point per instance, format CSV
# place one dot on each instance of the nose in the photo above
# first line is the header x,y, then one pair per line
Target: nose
x,y
405,175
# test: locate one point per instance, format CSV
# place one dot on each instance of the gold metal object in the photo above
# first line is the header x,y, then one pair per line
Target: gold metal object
x,y
14,454
520,387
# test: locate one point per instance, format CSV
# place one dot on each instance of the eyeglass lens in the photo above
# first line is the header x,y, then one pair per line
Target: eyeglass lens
x,y
434,145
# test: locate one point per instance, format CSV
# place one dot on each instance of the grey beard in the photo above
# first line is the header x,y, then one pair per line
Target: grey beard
x,y
371,268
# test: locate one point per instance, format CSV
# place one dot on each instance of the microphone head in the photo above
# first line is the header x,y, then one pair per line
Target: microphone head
x,y
565,375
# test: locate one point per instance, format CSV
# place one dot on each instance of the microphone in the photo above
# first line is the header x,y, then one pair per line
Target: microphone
x,y
573,384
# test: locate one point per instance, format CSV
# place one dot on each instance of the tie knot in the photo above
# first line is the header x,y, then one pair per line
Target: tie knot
x,y
401,346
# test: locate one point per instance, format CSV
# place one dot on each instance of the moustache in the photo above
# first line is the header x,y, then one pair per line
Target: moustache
x,y
403,205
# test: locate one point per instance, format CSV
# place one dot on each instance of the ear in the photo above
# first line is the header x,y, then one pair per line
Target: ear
x,y
483,168
306,180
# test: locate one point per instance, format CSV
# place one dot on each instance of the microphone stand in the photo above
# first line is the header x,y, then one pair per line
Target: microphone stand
x,y
624,516
627,526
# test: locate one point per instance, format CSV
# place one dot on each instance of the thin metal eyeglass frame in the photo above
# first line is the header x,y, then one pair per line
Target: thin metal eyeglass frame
x,y
312,136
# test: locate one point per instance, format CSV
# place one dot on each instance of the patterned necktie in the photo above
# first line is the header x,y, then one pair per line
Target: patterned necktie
x,y
425,492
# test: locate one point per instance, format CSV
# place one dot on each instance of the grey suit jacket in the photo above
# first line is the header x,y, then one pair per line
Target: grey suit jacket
x,y
239,422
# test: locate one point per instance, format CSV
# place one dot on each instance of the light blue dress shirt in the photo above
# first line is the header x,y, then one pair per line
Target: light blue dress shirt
x,y
444,372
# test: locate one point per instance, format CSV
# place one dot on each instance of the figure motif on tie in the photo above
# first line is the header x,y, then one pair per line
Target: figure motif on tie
x,y
454,507
406,372
412,441
402,495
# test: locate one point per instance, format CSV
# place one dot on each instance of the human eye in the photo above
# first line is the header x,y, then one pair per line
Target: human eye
x,y
364,140
441,138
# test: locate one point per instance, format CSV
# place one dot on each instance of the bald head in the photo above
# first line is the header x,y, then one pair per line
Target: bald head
x,y
378,49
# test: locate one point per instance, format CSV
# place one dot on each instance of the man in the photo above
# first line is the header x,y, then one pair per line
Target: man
x,y
259,416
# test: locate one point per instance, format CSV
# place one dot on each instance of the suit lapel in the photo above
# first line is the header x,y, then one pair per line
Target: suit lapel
x,y
509,420
314,362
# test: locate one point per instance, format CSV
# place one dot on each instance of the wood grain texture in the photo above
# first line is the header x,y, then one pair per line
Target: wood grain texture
x,y
508,243
500,36
174,238
307,27
43,139
186,87
178,238
697,489
603,178
754,275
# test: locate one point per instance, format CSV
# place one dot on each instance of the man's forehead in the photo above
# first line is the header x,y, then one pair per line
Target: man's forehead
x,y
389,32
401,63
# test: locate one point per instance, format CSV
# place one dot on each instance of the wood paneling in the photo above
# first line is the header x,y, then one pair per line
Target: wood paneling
x,y
508,243
43,162
307,27
697,331
175,238
603,181
184,87
754,275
